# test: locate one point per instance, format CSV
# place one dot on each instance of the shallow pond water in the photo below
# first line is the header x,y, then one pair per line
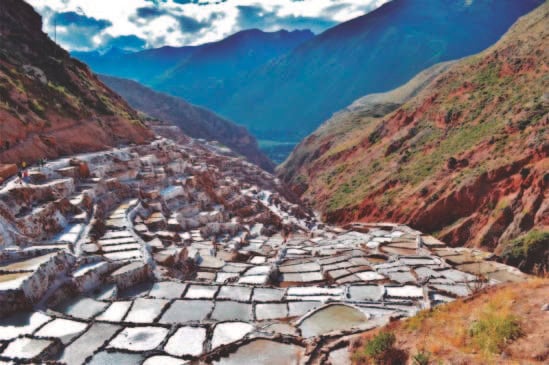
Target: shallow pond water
x,y
331,318
264,352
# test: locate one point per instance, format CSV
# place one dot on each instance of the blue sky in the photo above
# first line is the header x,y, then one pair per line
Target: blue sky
x,y
85,25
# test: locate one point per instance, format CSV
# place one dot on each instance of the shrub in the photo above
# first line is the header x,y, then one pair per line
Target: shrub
x,y
493,331
528,251
523,124
421,358
37,108
451,115
524,172
380,351
380,344
433,198
377,134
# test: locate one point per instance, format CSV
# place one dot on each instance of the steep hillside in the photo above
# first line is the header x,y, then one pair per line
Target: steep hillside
x,y
205,74
466,159
502,325
291,96
344,126
194,121
51,104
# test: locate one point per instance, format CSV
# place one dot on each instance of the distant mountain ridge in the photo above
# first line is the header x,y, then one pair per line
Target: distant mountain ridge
x,y
199,74
194,121
373,53
211,73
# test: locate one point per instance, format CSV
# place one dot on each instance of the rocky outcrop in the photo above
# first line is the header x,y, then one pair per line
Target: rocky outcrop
x,y
466,157
51,104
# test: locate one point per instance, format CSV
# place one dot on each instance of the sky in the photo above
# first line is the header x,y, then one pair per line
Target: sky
x,y
86,25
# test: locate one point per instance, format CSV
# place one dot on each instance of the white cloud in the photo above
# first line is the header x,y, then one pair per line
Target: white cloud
x,y
176,23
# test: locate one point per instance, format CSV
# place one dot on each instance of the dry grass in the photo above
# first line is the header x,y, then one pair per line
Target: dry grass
x,y
477,330
458,319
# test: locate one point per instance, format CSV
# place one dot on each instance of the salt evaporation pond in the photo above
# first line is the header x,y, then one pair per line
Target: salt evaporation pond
x,y
331,318
262,352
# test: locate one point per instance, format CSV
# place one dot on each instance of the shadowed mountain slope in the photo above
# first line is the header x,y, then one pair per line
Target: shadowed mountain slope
x,y
194,121
205,74
291,96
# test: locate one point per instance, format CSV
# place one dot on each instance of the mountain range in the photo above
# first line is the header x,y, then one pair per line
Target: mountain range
x,y
286,93
460,151
204,74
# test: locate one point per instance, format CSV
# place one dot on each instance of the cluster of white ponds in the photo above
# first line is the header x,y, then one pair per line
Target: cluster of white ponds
x,y
175,276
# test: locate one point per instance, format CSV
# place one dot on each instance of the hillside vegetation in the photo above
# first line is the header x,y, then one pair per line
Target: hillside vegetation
x,y
505,325
466,159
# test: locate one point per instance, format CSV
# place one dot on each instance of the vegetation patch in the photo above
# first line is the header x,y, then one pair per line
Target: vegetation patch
x,y
492,331
529,252
474,330
380,350
36,107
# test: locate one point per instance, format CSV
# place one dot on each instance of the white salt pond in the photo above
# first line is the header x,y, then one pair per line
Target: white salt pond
x,y
139,338
331,318
264,352
187,341
228,332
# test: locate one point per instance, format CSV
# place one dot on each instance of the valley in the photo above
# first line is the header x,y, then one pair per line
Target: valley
x,y
281,86
194,121
176,252
143,219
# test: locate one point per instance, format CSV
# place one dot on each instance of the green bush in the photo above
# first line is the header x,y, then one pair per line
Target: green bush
x,y
529,251
422,358
493,331
37,108
379,346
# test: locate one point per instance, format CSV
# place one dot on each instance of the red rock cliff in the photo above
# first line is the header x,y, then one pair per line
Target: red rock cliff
x,y
51,104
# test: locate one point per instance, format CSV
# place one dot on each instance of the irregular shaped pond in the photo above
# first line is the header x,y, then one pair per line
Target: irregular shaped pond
x,y
331,318
228,332
264,352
